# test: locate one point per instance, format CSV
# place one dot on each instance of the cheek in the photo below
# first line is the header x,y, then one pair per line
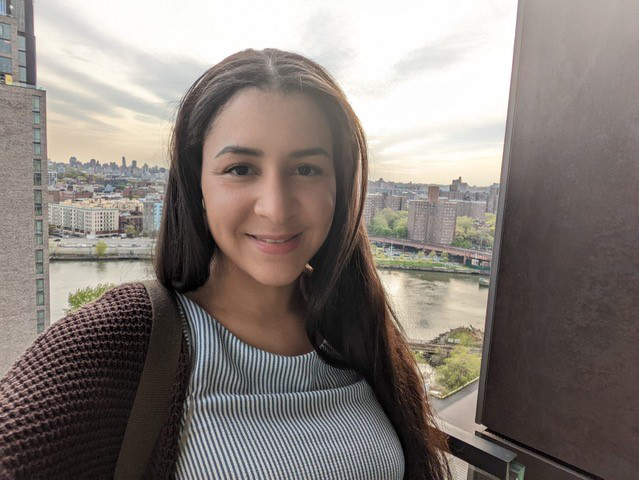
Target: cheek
x,y
321,206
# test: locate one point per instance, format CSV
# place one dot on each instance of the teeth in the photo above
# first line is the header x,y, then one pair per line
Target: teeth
x,y
268,240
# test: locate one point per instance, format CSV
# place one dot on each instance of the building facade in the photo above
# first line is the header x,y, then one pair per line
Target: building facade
x,y
84,218
373,203
472,209
24,255
432,222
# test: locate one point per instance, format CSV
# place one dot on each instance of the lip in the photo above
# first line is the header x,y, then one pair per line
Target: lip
x,y
276,248
274,237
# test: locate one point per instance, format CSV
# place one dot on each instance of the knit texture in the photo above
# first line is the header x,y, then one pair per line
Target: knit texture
x,y
64,405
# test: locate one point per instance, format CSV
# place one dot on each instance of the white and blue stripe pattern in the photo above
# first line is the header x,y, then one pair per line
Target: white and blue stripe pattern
x,y
258,415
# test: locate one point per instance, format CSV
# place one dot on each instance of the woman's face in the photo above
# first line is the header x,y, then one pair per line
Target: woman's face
x,y
268,183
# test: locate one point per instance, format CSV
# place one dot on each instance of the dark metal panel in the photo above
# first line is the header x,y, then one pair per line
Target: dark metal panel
x,y
562,360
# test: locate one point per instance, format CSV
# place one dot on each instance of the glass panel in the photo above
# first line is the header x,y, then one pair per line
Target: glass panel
x,y
22,42
3,7
40,321
40,285
5,31
39,268
37,196
38,209
37,165
40,299
5,46
37,149
38,239
5,65
39,255
23,74
37,135
37,179
36,104
38,226
22,58
36,118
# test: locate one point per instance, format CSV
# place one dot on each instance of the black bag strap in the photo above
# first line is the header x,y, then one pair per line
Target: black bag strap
x,y
151,405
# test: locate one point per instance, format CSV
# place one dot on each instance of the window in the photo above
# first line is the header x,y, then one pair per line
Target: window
x,y
36,118
22,71
37,165
5,65
22,58
40,299
38,239
36,103
22,42
37,179
3,7
40,285
5,31
39,262
5,46
37,135
40,321
38,226
37,149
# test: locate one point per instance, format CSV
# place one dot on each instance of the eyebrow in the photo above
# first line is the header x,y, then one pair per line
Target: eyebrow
x,y
254,152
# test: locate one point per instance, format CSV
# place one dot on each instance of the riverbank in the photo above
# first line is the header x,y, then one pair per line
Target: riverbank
x,y
145,255
450,362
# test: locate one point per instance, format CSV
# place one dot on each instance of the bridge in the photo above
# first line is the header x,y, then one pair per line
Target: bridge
x,y
460,252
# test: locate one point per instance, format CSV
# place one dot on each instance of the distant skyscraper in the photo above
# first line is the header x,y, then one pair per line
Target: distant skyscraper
x,y
24,254
123,162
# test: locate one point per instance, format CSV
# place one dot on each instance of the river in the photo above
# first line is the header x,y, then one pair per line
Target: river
x,y
427,303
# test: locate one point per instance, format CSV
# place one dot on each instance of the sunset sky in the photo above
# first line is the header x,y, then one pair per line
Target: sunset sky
x,y
429,80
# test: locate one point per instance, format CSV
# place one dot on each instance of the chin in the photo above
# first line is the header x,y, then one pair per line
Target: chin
x,y
276,278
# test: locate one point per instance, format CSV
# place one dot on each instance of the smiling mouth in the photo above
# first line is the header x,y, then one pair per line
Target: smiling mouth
x,y
274,239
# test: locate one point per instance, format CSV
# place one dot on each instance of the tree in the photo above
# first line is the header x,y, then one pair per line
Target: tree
x,y
101,248
379,225
400,228
444,257
52,229
460,368
130,231
432,255
82,296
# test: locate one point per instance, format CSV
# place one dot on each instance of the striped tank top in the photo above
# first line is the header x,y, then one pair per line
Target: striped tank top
x,y
258,415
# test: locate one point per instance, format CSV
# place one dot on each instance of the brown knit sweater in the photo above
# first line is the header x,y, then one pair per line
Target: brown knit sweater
x,y
65,403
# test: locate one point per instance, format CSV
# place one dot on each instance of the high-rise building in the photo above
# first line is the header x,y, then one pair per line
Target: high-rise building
x,y
432,222
24,254
373,203
472,209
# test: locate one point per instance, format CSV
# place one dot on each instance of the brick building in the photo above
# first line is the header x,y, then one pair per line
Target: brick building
x,y
24,255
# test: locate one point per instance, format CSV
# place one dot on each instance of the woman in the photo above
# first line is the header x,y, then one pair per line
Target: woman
x,y
293,364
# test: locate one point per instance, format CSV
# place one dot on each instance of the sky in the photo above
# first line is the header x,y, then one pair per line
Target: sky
x,y
429,80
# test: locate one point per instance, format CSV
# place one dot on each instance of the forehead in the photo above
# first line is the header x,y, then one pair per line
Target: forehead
x,y
266,119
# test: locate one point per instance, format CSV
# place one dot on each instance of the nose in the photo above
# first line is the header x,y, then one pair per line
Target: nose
x,y
275,200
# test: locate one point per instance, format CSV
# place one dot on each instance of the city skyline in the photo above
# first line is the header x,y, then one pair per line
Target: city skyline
x,y
430,84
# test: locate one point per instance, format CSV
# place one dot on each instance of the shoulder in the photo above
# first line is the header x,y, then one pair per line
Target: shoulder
x,y
83,365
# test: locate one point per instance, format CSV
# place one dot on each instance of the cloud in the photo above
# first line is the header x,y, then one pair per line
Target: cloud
x,y
326,40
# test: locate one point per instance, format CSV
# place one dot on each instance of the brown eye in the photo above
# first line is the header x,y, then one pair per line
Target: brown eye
x,y
239,170
307,170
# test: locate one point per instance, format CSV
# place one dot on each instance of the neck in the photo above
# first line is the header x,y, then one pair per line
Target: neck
x,y
268,317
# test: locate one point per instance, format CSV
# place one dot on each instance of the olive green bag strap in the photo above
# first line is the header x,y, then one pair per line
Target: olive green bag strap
x,y
151,405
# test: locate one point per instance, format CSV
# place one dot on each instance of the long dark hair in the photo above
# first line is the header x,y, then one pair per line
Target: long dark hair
x,y
346,303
